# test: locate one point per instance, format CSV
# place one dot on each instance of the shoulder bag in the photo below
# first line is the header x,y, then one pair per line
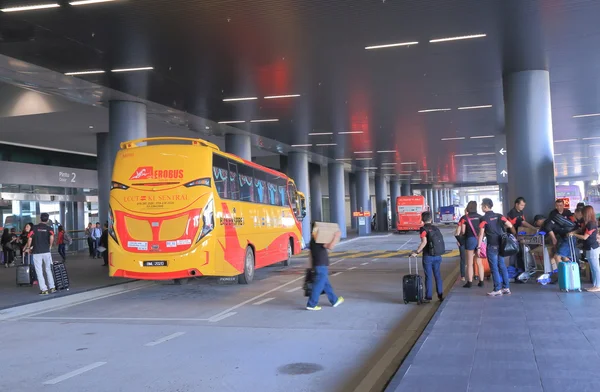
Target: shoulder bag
x,y
483,246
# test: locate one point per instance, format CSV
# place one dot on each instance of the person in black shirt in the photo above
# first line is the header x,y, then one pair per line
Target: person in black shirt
x,y
467,225
41,239
492,226
560,209
319,254
590,244
431,263
516,216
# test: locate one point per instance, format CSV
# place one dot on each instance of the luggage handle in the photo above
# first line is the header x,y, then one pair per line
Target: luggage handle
x,y
416,266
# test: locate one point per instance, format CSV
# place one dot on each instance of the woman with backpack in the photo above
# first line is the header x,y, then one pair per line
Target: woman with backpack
x,y
469,224
590,244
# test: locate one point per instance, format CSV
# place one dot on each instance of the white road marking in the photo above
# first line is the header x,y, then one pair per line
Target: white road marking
x,y
165,339
364,263
74,373
337,273
335,262
264,301
403,245
374,259
220,317
114,318
350,269
294,289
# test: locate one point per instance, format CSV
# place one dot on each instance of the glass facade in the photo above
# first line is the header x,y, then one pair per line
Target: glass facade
x,y
36,156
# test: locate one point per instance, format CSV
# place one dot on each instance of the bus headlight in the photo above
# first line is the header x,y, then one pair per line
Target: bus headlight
x,y
111,225
208,219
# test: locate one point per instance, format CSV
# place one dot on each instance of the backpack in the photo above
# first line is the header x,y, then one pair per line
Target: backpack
x,y
435,241
68,239
565,224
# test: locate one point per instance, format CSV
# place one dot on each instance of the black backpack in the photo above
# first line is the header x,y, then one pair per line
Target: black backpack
x,y
435,241
565,225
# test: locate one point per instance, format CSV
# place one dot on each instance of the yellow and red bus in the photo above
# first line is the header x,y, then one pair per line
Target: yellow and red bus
x,y
408,210
180,208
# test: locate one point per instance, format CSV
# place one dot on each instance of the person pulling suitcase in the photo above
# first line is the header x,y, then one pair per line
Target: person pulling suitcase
x,y
433,247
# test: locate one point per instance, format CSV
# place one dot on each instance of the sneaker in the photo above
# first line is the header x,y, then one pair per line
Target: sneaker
x,y
506,292
11,265
480,284
441,297
463,279
426,300
52,291
468,285
495,293
44,292
339,301
313,308
593,289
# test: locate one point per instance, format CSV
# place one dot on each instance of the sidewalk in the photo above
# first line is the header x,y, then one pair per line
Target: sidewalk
x,y
84,274
537,339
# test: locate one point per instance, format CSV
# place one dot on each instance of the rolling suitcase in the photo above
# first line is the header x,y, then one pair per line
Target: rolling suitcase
x,y
25,274
61,277
568,272
412,285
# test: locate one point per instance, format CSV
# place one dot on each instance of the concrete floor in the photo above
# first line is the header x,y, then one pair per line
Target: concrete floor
x,y
205,336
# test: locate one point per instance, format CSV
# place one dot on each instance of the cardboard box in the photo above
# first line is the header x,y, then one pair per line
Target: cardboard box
x,y
325,232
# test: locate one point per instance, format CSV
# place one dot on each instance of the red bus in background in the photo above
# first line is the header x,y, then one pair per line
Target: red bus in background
x,y
408,211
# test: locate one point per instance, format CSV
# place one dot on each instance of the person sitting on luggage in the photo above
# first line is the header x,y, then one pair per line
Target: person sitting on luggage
x,y
553,231
320,263
492,226
432,246
590,244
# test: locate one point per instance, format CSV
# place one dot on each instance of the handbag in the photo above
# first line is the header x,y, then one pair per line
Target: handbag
x,y
483,246
509,245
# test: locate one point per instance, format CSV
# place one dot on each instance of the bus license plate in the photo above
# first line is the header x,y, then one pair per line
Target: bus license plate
x,y
155,263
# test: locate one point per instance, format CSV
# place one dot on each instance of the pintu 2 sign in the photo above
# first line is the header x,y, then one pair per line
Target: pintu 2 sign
x,y
67,177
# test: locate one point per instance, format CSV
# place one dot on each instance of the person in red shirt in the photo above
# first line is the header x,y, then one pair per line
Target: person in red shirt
x,y
61,243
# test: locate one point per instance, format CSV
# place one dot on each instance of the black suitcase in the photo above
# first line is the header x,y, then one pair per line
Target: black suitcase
x,y
61,277
412,285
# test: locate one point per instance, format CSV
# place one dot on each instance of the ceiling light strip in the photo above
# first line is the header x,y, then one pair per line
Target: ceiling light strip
x,y
30,7
445,139
232,122
486,153
265,120
482,137
98,71
590,138
475,107
326,144
408,163
132,69
350,133
301,145
389,163
282,96
240,99
459,38
565,140
586,115
391,45
363,152
463,155
86,2
387,151
434,110
320,133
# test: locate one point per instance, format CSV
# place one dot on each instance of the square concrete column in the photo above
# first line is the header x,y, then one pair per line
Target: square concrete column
x,y
337,195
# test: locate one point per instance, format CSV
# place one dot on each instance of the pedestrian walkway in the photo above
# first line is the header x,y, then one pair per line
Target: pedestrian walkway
x,y
537,339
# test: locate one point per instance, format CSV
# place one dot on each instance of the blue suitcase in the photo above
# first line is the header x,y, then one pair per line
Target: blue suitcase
x,y
569,278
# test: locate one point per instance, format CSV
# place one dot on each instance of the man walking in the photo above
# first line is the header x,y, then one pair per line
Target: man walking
x,y
96,235
41,238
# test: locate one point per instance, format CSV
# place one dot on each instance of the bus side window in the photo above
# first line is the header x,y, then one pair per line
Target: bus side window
x,y
245,176
273,195
281,192
221,175
234,190
260,187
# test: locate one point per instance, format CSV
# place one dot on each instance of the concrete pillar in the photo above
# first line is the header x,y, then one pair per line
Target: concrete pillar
x,y
430,199
316,195
437,201
353,198
381,193
239,145
298,171
62,213
127,121
363,199
337,195
394,193
406,189
529,139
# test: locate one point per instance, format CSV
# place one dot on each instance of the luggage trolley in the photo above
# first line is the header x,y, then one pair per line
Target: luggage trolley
x,y
533,264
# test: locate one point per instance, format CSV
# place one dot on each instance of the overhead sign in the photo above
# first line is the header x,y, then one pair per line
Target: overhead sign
x,y
501,159
42,175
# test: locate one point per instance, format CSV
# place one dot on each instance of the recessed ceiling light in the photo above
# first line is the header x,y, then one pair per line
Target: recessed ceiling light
x,y
320,133
565,140
301,145
462,37
86,2
486,153
91,127
363,159
240,99
350,133
463,155
452,138
434,110
265,120
133,69
30,7
590,138
282,96
232,122
587,115
391,45
326,144
85,72
408,163
389,163
474,107
344,159
363,152
482,137
387,151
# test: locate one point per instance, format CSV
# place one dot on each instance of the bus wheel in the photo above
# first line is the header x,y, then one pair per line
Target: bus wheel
x,y
179,282
288,261
248,274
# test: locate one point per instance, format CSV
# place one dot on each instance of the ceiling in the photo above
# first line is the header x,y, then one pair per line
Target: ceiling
x,y
203,52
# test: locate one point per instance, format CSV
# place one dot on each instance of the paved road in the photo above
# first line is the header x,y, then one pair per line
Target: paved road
x,y
210,337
